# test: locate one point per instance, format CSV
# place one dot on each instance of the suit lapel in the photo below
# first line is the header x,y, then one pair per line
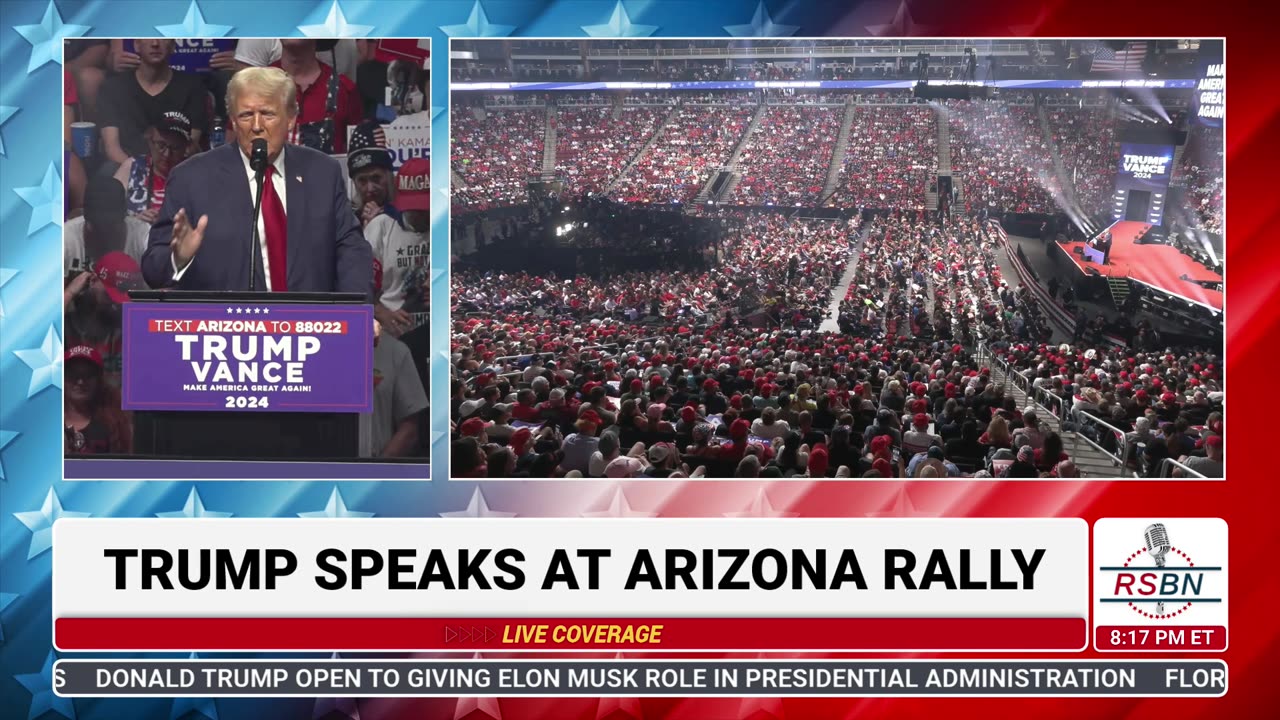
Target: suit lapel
x,y
241,206
295,213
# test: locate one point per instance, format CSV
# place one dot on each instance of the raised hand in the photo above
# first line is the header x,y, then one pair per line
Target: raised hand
x,y
186,239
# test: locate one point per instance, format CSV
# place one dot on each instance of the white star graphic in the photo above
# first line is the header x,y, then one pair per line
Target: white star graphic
x,y
477,508
901,24
266,311
335,26
6,112
6,437
902,507
619,25
46,38
45,363
618,507
193,25
6,275
486,706
45,200
761,25
336,508
239,311
40,522
43,699
193,509
760,507
477,25
326,706
184,706
228,311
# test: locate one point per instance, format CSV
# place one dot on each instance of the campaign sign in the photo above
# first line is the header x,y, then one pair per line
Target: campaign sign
x,y
248,357
192,55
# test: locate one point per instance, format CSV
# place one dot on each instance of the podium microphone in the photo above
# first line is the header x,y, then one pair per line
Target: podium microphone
x,y
257,161
1157,539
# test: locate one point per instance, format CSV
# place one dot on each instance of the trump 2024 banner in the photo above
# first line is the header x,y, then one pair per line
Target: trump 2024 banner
x,y
264,357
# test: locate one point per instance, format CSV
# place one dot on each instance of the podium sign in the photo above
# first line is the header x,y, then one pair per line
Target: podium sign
x,y
237,356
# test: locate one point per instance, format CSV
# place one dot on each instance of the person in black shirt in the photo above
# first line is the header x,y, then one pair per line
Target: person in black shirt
x,y
132,102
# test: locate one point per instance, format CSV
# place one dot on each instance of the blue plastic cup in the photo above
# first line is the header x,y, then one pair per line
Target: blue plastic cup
x,y
84,136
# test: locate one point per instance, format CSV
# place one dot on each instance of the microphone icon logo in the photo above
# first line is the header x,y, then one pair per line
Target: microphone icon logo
x,y
1157,539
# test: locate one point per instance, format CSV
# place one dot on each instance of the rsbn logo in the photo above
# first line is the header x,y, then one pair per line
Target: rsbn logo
x,y
1160,580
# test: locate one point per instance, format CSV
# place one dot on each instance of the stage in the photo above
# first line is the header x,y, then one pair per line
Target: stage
x,y
1159,266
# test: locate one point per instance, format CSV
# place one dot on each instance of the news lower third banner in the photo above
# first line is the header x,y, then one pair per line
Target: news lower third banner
x,y
264,357
639,678
561,584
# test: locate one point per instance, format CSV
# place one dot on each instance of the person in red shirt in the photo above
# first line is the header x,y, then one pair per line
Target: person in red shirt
x,y
328,102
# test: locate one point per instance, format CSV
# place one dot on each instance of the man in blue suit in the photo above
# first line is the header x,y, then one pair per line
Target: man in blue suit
x,y
309,239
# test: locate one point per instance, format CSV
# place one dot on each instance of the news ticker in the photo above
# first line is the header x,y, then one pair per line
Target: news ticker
x,y
640,585
637,678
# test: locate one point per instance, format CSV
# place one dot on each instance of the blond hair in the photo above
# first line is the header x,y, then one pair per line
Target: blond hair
x,y
267,81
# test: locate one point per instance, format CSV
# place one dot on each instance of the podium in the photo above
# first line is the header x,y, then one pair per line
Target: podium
x,y
236,375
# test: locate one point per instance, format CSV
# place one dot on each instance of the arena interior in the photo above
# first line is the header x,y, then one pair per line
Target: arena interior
x,y
837,258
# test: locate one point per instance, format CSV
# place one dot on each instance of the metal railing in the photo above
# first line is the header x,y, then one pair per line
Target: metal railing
x,y
1056,407
1168,465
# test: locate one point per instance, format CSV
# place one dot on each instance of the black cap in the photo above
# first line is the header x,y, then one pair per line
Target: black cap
x,y
175,122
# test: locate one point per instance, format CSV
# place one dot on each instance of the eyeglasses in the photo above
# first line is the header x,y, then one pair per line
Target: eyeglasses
x,y
164,146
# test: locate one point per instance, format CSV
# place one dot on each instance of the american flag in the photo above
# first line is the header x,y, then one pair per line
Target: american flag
x,y
1106,60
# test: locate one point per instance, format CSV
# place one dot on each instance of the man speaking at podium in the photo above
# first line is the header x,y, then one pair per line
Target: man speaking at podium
x,y
308,239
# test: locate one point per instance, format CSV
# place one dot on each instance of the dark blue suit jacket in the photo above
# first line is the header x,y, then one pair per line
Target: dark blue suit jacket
x,y
326,250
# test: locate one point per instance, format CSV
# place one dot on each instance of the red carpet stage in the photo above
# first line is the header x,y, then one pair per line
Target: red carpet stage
x,y
1160,266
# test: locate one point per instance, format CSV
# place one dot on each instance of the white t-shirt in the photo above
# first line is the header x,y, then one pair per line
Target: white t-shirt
x,y
73,259
261,52
405,258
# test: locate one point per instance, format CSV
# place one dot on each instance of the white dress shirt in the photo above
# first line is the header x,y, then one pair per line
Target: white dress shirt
x,y
278,182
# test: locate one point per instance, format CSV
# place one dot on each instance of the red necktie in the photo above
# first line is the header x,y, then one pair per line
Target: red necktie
x,y
277,230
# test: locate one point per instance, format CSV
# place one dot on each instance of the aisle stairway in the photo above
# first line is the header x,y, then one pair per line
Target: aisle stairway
x,y
842,146
549,145
944,140
648,144
1092,462
731,163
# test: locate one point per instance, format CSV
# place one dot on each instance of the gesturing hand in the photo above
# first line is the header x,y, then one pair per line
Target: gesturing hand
x,y
186,239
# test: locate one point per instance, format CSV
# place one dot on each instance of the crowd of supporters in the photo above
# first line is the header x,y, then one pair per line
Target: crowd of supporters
x,y
594,144
1090,152
497,156
657,374
1158,405
891,157
1200,172
695,140
1002,156
785,160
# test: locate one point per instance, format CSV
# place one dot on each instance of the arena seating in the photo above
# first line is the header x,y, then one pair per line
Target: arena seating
x,y
785,161
1200,171
1001,154
592,147
891,157
696,140
495,157
1090,153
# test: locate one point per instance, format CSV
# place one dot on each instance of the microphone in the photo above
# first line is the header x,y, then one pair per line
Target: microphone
x,y
1157,539
258,162
258,155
